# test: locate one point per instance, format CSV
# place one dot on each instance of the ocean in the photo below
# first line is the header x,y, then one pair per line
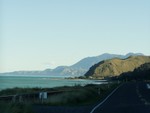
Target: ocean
x,y
31,81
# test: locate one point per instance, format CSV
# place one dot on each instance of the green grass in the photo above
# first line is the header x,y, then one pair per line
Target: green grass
x,y
15,107
79,95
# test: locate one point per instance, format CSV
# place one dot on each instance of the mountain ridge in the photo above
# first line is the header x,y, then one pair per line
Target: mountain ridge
x,y
77,69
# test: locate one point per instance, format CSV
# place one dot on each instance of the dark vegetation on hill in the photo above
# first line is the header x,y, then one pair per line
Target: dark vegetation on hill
x,y
115,67
140,73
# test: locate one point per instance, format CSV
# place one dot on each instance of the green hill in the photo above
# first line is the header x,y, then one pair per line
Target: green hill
x,y
116,66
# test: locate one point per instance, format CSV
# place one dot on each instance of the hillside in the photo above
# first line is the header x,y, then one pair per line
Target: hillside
x,y
143,67
116,66
140,73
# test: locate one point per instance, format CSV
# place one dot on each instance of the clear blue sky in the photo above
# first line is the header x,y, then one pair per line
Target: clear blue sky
x,y
39,34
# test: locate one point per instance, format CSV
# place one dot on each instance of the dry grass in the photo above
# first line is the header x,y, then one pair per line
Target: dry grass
x,y
115,67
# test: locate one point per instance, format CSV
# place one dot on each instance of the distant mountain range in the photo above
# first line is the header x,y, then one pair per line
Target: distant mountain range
x,y
77,69
116,66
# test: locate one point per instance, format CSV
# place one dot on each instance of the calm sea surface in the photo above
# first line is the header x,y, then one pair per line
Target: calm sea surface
x,y
40,81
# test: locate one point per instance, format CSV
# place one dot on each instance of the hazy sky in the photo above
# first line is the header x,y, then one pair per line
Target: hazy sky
x,y
39,34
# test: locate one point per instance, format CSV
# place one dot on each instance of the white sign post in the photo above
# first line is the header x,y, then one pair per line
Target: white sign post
x,y
42,96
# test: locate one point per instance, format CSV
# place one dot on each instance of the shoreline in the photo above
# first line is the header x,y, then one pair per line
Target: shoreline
x,y
42,82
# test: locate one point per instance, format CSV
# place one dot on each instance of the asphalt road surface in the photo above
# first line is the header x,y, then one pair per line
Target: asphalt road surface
x,y
133,97
129,98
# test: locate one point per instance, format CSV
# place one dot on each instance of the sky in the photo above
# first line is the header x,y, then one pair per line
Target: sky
x,y
40,34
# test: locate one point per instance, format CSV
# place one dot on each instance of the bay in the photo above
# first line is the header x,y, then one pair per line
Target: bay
x,y
31,81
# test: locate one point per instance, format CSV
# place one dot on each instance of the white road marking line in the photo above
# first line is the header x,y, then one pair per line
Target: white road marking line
x,y
92,111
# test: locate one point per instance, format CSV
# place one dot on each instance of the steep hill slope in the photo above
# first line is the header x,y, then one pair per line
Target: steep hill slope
x,y
116,66
140,73
143,67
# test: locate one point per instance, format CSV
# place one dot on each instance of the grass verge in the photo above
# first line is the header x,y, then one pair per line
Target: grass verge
x,y
72,96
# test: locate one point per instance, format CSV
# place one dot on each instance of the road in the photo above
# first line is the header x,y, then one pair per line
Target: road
x,y
128,98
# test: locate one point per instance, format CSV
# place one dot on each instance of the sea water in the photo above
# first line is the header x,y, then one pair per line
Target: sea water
x,y
31,81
